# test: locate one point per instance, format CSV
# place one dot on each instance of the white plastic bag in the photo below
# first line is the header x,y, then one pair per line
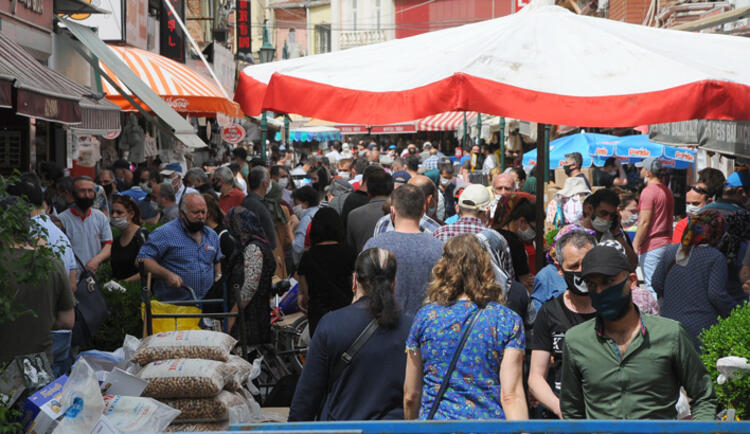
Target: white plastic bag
x,y
728,367
81,400
134,414
254,373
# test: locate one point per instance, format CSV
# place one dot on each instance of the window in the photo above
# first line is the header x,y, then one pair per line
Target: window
x,y
322,38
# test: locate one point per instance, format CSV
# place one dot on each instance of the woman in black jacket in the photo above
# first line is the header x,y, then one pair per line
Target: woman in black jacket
x,y
371,386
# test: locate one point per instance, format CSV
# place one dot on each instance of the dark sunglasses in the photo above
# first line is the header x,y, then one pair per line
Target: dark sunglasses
x,y
699,190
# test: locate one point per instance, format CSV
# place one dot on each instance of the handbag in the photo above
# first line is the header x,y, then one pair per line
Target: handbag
x,y
91,310
452,366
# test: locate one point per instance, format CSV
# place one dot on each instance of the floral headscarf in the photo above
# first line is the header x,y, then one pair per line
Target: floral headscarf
x,y
244,225
707,227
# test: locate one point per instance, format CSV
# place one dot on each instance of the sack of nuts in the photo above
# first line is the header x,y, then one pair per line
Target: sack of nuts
x,y
184,378
185,344
226,405
198,427
240,371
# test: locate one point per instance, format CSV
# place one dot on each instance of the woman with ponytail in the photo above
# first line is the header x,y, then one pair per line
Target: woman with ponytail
x,y
463,296
370,386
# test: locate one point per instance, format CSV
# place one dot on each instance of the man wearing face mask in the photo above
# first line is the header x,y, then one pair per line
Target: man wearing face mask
x,y
555,317
105,187
87,228
183,252
625,364
573,165
223,182
600,213
172,172
259,184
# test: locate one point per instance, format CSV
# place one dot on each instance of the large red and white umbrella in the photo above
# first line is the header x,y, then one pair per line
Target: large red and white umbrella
x,y
543,64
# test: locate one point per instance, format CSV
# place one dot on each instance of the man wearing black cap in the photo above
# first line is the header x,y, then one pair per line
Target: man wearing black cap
x,y
624,364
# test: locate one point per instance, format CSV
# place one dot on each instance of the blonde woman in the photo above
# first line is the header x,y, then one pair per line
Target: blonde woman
x,y
486,382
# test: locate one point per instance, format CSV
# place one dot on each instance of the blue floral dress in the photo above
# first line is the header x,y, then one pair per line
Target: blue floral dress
x,y
474,388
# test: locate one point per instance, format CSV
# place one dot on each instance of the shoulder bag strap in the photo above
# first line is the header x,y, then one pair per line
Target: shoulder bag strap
x,y
351,352
452,366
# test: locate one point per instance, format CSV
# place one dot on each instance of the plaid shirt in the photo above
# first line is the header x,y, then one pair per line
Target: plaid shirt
x,y
472,225
426,224
431,162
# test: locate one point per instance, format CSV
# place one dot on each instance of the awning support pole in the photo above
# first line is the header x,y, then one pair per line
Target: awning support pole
x,y
465,140
196,48
479,128
94,62
541,174
263,134
546,154
501,139
286,130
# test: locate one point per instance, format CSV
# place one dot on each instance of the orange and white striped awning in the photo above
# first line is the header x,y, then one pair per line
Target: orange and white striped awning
x,y
447,121
183,89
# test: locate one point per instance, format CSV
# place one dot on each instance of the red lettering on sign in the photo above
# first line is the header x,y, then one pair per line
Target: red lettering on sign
x,y
243,29
244,42
171,42
171,25
242,16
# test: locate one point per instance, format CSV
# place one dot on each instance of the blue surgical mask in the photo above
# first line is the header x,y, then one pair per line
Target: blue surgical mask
x,y
611,303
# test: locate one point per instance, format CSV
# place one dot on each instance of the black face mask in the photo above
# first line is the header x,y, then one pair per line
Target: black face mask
x,y
575,283
568,170
193,227
84,203
107,189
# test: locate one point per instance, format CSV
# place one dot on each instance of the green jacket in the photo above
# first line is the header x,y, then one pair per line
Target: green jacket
x,y
645,384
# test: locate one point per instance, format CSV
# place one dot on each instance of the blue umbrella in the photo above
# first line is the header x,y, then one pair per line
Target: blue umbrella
x,y
574,143
632,149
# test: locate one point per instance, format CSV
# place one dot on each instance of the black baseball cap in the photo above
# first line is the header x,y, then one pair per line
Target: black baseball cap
x,y
605,260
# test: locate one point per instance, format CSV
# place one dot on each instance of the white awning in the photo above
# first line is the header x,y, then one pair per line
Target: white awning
x,y
181,128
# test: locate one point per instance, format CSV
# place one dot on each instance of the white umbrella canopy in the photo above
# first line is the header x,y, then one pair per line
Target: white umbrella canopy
x,y
543,64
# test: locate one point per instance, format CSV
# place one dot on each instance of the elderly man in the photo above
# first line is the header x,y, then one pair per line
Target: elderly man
x,y
503,185
573,165
164,194
173,173
258,185
183,252
223,182
88,229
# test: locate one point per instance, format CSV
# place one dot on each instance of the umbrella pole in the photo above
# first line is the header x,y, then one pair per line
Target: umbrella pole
x,y
501,139
546,153
263,135
541,175
466,133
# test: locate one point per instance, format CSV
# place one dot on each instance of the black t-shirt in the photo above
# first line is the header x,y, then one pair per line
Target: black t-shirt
x,y
123,257
552,321
328,271
352,202
517,253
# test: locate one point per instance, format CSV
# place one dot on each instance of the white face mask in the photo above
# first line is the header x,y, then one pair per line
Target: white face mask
x,y
298,211
527,234
630,221
692,209
444,181
120,223
344,175
283,182
601,225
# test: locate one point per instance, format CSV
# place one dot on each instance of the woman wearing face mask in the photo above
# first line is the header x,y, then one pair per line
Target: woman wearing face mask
x,y
515,219
126,217
628,211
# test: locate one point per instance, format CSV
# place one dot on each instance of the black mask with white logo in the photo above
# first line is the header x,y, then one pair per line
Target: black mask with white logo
x,y
575,283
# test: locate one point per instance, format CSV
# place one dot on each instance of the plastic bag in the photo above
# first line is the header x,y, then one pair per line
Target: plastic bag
x,y
81,400
256,414
240,369
168,324
728,367
134,414
198,427
195,344
226,406
184,378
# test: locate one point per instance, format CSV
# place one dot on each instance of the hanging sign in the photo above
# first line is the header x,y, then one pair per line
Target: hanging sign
x,y
171,38
111,135
242,8
233,134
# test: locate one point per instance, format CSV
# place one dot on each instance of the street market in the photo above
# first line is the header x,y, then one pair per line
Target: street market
x,y
374,216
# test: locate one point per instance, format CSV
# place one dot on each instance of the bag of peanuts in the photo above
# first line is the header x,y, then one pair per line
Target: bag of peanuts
x,y
226,406
184,378
240,371
198,427
185,344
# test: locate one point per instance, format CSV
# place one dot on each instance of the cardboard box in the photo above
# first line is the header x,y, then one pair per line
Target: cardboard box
x,y
45,402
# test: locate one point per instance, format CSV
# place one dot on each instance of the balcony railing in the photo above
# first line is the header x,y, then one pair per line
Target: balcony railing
x,y
363,37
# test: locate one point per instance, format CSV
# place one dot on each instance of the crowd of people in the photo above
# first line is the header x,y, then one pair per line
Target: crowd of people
x,y
418,273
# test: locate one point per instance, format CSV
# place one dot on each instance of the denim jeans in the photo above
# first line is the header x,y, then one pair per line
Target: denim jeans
x,y
649,261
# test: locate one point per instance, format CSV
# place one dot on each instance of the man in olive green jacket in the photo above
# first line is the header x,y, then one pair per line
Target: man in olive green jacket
x,y
624,364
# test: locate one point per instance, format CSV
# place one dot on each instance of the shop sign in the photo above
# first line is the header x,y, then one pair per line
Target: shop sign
x,y
394,129
109,27
725,137
179,104
521,3
171,38
112,135
242,18
233,133
352,129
